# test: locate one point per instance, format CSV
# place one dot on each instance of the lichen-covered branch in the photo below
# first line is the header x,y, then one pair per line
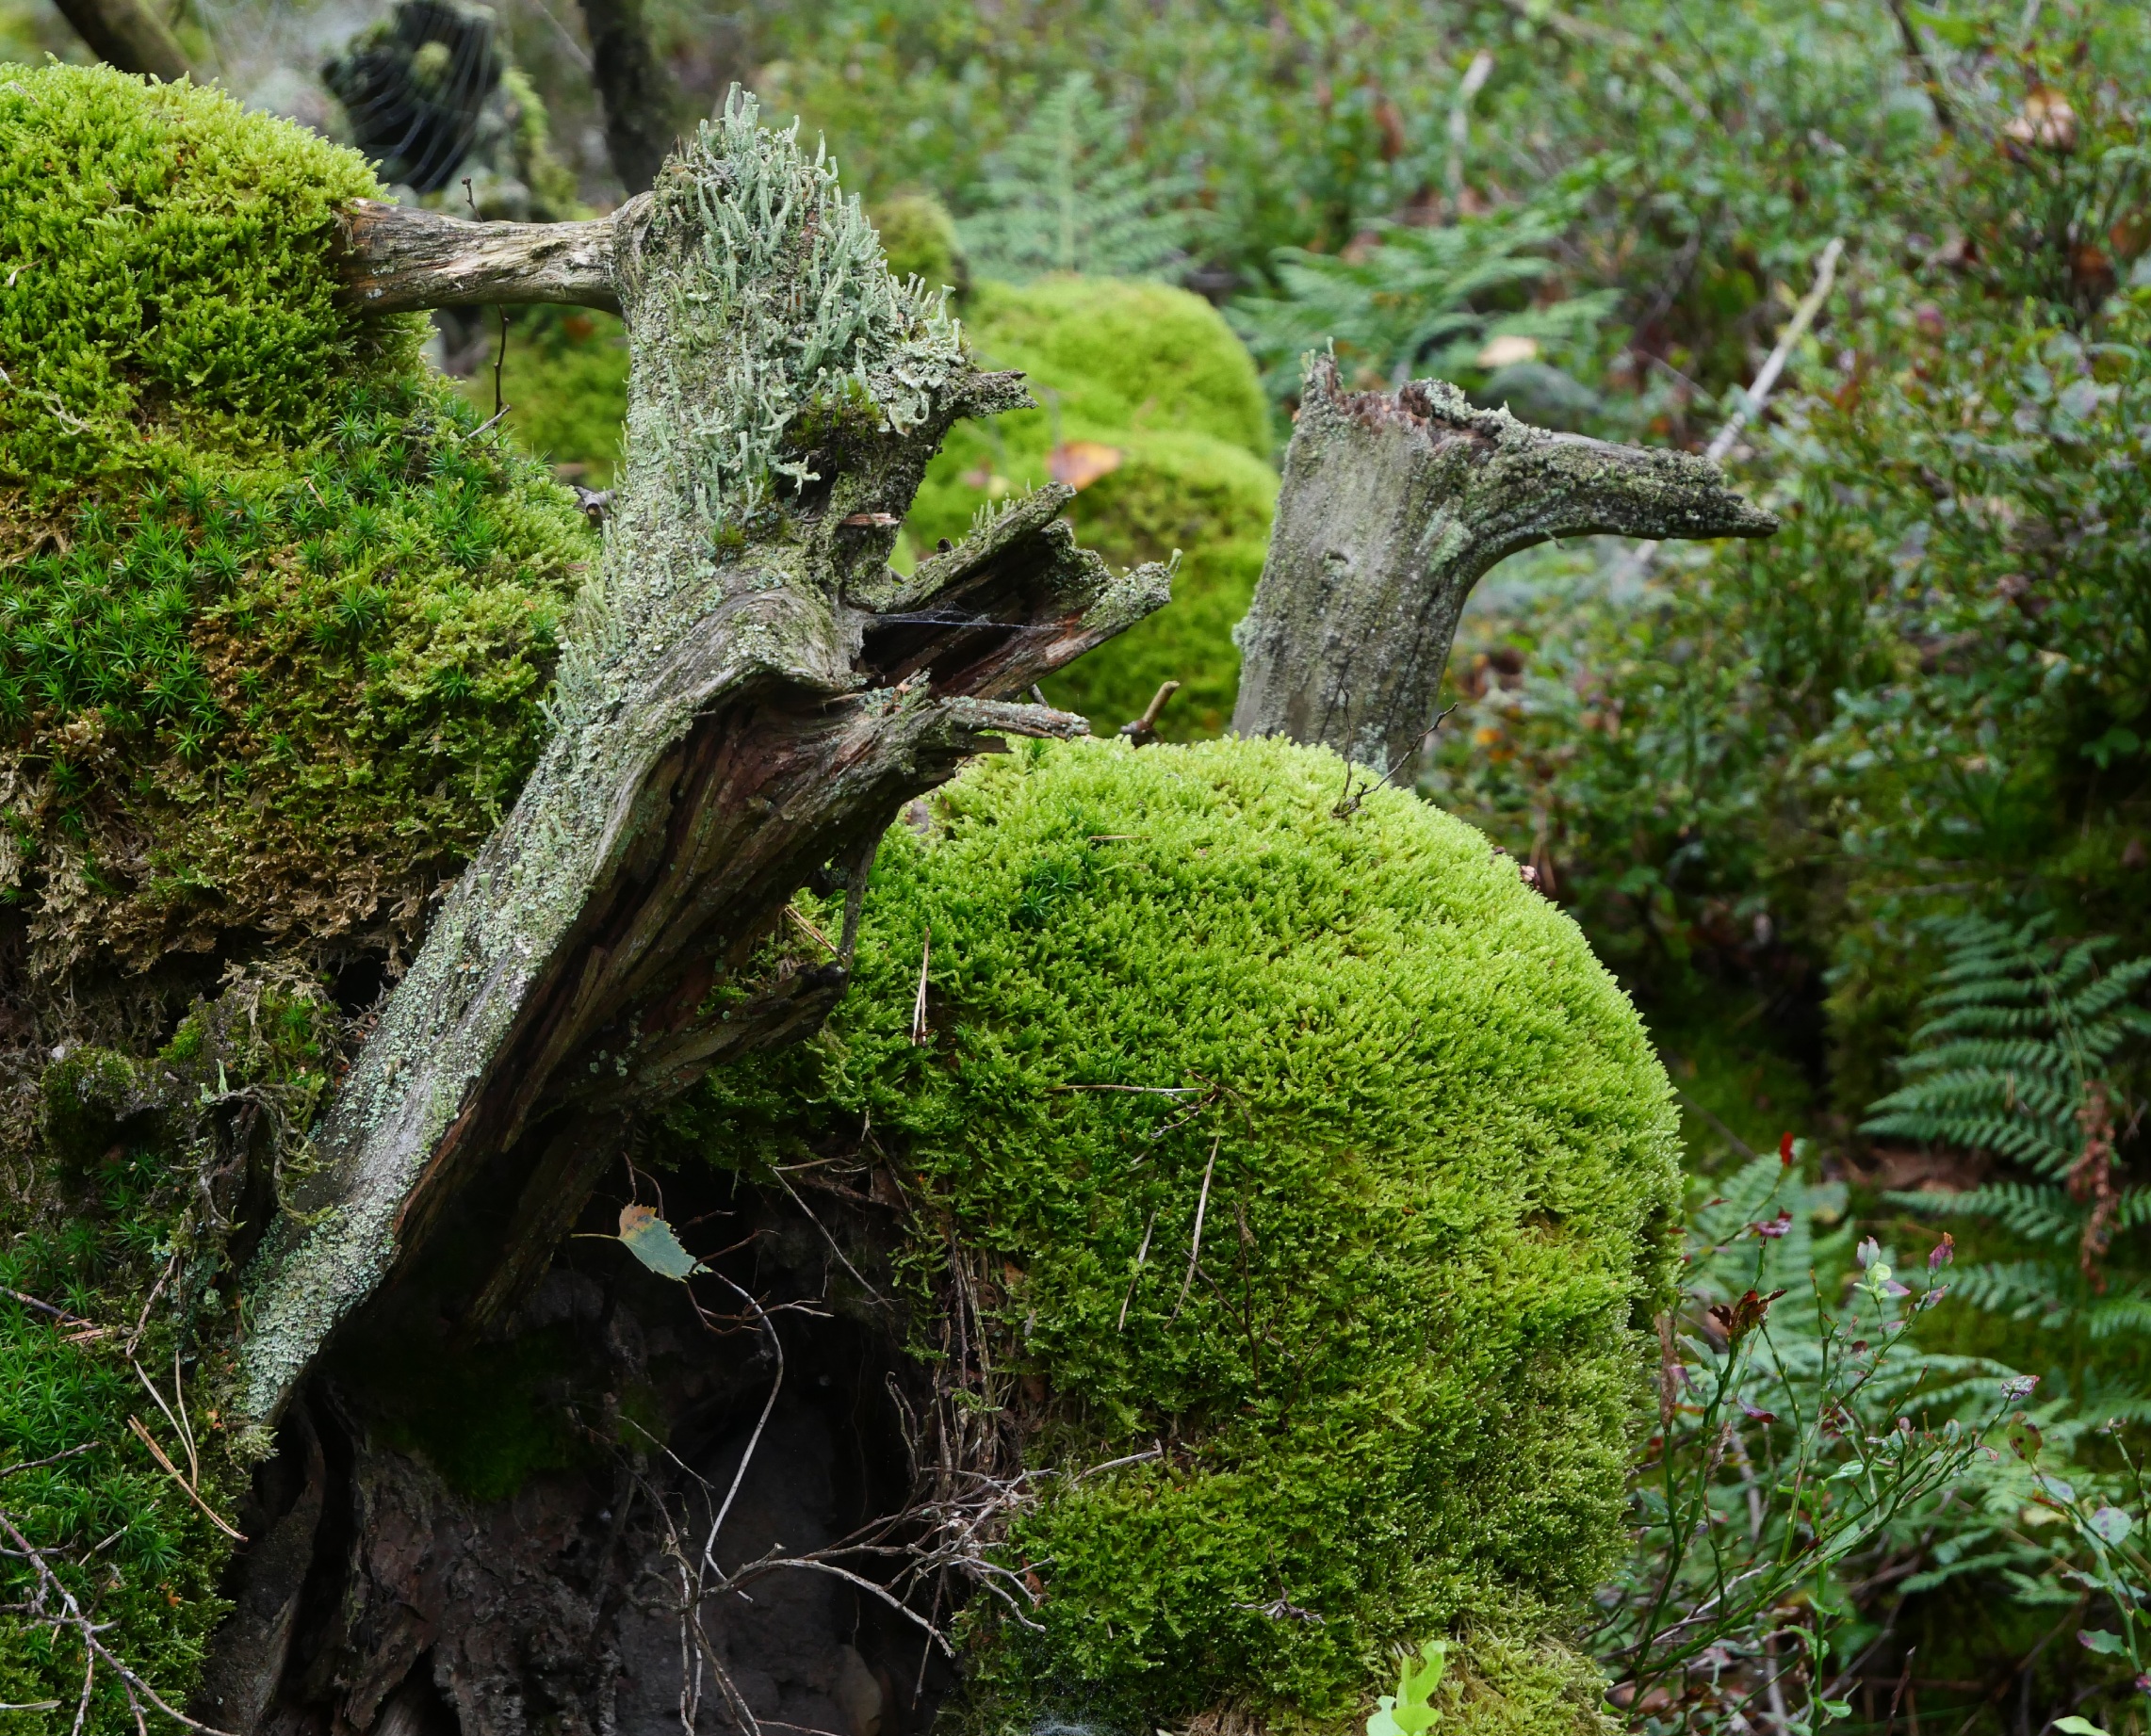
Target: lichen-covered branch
x,y
396,258
1392,508
747,693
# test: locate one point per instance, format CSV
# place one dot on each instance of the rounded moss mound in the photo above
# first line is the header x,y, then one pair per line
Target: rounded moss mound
x,y
275,621
1387,1389
1151,382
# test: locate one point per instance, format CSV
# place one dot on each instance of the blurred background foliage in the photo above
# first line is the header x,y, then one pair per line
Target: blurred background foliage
x,y
1800,793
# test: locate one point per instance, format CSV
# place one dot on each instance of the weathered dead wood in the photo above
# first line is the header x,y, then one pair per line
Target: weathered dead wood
x,y
1392,508
748,694
396,258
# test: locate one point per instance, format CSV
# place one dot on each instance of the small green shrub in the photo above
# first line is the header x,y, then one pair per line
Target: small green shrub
x,y
1396,1375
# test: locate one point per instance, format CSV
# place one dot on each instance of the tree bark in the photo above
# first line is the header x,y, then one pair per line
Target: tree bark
x,y
748,694
128,35
1392,508
396,259
643,108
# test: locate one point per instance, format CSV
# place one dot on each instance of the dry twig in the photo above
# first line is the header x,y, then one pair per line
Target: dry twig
x,y
69,1617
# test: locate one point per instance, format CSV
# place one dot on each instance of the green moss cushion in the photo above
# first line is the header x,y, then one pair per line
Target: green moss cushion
x,y
1434,1160
275,621
1155,376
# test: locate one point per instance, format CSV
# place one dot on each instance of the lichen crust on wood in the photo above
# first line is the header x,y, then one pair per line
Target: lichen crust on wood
x,y
741,696
1392,510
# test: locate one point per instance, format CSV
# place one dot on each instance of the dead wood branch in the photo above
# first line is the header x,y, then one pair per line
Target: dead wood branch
x,y
643,106
1393,507
749,693
396,258
129,35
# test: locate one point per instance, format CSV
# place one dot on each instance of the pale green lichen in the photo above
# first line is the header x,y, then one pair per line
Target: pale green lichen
x,y
1399,1383
781,379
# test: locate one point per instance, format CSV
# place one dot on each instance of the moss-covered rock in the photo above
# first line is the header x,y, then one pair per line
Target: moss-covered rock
x,y
1432,1156
275,627
275,623
1151,381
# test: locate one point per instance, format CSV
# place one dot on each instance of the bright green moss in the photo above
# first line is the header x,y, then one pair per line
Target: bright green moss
x,y
277,624
1398,1384
1157,376
1132,354
162,252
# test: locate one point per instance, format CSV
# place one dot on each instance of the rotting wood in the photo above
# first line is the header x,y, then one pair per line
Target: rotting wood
x,y
747,694
643,103
1392,507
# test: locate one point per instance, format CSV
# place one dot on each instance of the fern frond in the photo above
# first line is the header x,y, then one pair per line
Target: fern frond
x,y
2120,1317
2030,1210
1069,194
2023,1289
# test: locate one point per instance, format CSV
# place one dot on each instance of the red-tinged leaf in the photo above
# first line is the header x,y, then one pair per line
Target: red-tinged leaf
x,y
1080,462
1785,1149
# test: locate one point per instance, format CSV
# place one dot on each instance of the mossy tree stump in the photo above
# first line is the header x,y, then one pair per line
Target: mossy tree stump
x,y
749,693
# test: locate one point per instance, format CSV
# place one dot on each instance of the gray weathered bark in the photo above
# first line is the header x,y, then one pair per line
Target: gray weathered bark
x,y
747,694
1392,508
395,258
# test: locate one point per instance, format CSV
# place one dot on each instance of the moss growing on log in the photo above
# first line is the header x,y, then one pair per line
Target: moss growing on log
x,y
276,622
1392,1377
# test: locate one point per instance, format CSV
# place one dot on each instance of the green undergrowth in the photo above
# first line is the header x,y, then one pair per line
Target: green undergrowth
x,y
120,1215
563,378
1154,377
276,620
1395,1384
